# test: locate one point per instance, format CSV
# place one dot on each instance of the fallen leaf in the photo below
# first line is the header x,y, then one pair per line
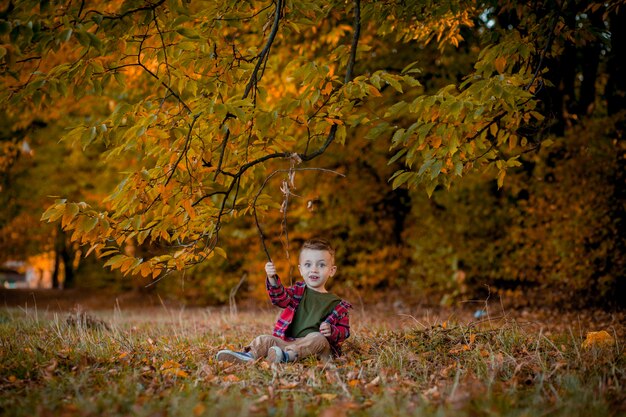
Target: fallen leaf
x,y
199,409
231,378
334,411
176,371
598,339
432,393
374,382
52,366
328,396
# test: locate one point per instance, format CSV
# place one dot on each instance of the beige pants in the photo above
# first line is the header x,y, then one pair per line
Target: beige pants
x,y
312,344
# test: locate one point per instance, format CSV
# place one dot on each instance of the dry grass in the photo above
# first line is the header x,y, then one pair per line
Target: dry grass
x,y
160,362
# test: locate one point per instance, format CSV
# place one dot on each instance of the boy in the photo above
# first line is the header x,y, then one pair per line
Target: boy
x,y
313,322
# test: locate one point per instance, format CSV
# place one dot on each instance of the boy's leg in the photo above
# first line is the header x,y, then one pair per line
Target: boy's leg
x,y
261,344
313,344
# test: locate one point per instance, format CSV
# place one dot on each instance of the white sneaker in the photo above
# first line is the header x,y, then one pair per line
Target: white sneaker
x,y
235,357
277,355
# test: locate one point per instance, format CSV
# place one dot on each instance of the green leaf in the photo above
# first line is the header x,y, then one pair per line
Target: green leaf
x,y
397,136
435,170
375,132
71,210
88,223
458,168
401,179
65,35
221,252
392,81
53,213
426,165
115,261
397,156
188,33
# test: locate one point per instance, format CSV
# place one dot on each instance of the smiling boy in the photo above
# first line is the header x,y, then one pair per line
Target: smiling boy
x,y
314,322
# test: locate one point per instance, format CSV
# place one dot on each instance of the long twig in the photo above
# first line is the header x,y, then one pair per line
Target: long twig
x,y
258,194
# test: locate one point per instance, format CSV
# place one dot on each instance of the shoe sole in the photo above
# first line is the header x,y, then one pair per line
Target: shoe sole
x,y
272,356
231,357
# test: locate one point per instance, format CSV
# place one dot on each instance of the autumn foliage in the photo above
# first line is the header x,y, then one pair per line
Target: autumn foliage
x,y
446,145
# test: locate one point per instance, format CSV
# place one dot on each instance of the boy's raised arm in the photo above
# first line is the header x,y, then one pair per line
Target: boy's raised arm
x,y
279,296
270,270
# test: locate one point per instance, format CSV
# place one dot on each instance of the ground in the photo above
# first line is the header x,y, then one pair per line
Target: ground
x,y
401,360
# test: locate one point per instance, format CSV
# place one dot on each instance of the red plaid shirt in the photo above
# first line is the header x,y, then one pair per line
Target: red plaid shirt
x,y
289,299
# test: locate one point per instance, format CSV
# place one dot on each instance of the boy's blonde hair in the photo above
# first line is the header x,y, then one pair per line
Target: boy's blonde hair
x,y
319,244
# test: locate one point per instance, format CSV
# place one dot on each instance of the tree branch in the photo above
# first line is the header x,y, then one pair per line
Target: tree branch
x,y
185,148
254,78
347,79
148,6
265,51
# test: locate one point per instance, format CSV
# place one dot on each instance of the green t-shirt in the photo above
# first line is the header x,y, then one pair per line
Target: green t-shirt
x,y
313,309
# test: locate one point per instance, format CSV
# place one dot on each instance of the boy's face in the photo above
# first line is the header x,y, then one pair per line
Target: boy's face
x,y
316,266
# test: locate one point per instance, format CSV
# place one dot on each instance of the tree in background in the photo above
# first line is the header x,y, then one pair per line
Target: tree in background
x,y
205,101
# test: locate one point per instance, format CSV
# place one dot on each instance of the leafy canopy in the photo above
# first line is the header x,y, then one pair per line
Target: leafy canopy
x,y
195,101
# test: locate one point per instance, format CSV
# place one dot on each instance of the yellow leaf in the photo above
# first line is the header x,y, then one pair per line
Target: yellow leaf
x,y
327,396
145,269
493,129
598,339
472,338
444,324
353,382
170,364
189,208
500,64
328,88
374,91
176,372
199,409
435,141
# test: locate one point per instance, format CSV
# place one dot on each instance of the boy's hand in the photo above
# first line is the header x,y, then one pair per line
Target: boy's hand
x,y
270,269
325,329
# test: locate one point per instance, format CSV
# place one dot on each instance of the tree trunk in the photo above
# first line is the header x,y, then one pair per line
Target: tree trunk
x,y
55,272
62,253
66,255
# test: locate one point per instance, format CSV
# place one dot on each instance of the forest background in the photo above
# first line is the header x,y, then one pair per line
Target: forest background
x,y
452,148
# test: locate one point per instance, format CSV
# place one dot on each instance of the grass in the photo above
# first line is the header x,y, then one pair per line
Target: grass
x,y
160,362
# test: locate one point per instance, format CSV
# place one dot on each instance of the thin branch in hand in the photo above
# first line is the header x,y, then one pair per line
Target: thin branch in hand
x,y
256,197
